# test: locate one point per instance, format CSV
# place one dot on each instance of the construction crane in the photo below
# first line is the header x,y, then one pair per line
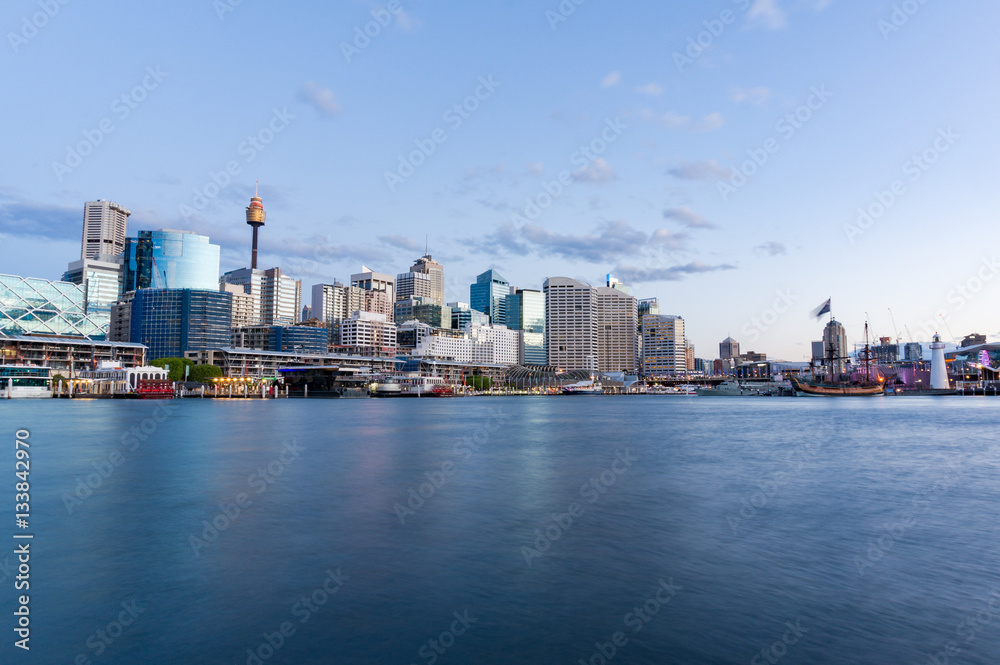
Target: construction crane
x,y
895,330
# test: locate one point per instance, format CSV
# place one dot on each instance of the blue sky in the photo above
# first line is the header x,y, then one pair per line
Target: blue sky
x,y
726,179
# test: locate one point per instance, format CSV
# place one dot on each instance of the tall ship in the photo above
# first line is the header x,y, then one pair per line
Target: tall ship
x,y
868,382
25,382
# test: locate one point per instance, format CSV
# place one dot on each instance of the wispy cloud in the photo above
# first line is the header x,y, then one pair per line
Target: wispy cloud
x,y
756,96
710,122
321,98
654,89
596,173
766,13
706,169
401,242
611,80
673,120
35,219
688,218
668,273
771,248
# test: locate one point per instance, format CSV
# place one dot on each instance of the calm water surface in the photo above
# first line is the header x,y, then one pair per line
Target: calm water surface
x,y
510,530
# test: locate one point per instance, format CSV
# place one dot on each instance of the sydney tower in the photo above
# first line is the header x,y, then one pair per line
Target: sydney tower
x,y
255,218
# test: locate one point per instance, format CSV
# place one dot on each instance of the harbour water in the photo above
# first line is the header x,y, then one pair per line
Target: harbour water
x,y
510,530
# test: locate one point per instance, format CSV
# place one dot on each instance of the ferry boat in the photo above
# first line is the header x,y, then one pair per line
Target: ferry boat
x,y
583,388
25,382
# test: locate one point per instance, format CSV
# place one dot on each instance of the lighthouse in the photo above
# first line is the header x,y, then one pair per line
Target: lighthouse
x,y
939,369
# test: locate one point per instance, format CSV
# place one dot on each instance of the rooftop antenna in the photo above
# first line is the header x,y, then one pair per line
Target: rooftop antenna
x,y
426,250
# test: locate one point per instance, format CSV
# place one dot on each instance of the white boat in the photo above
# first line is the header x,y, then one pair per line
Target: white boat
x,y
25,382
583,388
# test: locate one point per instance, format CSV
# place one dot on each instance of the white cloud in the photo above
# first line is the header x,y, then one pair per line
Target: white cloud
x,y
536,169
710,122
669,119
611,80
766,13
688,218
706,169
322,98
757,95
599,171
654,89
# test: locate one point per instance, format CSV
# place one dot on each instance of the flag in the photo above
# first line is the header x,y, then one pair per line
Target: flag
x,y
822,309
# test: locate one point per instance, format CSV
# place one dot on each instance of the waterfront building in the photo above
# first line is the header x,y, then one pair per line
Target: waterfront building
x,y
663,345
462,315
494,345
489,295
435,271
617,329
172,322
69,356
729,348
33,306
104,228
276,297
170,259
305,339
570,324
835,339
367,334
255,364
526,312
101,279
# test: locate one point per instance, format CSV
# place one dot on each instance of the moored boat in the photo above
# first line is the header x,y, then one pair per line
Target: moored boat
x,y
583,388
25,382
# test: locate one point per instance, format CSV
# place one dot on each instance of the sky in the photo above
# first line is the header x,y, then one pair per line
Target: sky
x,y
740,160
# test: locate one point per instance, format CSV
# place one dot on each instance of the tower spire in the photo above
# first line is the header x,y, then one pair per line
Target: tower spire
x,y
255,218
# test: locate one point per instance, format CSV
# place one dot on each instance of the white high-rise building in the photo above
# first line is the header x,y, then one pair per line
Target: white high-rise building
x,y
664,349
494,345
617,329
570,324
835,338
415,284
104,228
428,266
277,298
368,334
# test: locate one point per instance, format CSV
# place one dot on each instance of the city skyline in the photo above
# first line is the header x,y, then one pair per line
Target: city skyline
x,y
724,179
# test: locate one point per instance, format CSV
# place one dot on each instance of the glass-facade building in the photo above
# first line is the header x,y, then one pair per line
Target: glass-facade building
x,y
101,279
30,306
526,312
489,295
170,259
171,322
462,315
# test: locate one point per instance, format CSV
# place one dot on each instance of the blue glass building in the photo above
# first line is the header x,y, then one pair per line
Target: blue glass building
x,y
170,259
30,306
489,295
172,322
526,311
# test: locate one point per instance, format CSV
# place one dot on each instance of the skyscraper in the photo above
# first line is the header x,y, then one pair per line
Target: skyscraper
x,y
489,295
170,259
172,322
835,342
526,312
664,349
381,296
729,348
277,298
617,329
101,281
104,228
415,284
435,270
570,324
255,218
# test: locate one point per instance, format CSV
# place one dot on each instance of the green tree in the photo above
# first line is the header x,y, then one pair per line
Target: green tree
x,y
479,382
202,373
177,366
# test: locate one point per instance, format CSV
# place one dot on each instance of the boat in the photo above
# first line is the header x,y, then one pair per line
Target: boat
x,y
25,382
154,389
725,389
866,385
583,388
388,388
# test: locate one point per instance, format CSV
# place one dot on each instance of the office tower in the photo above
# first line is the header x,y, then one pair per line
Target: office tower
x,y
462,315
913,351
729,348
489,295
102,283
835,342
170,259
376,282
648,306
368,334
570,324
31,306
689,355
526,312
277,298
172,322
818,354
104,228
664,350
415,284
617,330
494,345
423,309
255,218
435,271
285,339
